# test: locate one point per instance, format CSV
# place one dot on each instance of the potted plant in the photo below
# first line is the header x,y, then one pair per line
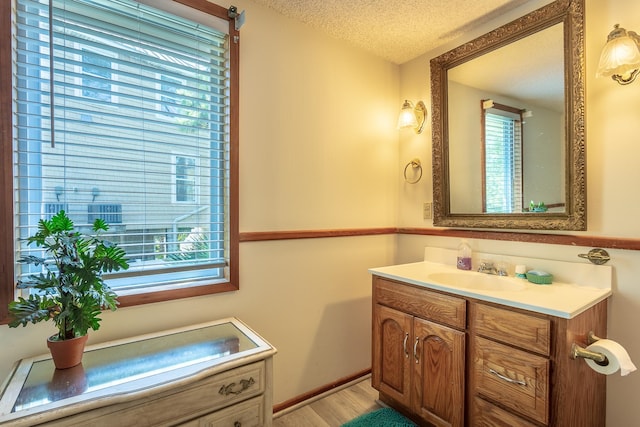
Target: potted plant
x,y
69,290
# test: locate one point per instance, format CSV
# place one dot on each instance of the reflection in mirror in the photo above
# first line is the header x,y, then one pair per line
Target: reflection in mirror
x,y
536,84
501,152
524,80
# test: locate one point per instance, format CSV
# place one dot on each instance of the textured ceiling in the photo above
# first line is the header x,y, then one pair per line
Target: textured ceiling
x,y
397,30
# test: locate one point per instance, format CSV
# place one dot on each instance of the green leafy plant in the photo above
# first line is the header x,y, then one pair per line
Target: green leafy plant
x,y
70,290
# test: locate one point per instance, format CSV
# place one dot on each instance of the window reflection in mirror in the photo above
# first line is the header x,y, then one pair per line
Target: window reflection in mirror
x,y
501,157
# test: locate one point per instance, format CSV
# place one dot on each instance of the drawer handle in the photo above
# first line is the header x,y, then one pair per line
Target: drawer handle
x,y
404,345
415,350
507,379
226,390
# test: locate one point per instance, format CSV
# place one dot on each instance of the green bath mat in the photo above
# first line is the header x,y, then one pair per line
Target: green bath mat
x,y
386,417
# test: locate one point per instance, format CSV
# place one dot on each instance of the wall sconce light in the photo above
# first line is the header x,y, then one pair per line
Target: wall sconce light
x,y
412,116
620,57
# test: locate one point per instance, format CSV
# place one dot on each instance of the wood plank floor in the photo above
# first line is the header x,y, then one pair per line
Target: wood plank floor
x,y
332,410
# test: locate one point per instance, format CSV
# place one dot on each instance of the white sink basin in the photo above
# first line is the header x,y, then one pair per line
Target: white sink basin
x,y
478,281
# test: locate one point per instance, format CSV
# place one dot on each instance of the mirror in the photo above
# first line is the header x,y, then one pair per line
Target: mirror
x,y
533,68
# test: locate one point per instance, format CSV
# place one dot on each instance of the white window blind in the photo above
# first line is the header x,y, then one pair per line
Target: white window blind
x,y
122,114
503,162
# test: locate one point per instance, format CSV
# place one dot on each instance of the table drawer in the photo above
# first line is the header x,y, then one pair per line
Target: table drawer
x,y
519,329
165,408
441,308
514,378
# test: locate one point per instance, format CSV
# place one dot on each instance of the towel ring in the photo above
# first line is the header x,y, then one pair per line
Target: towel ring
x,y
415,164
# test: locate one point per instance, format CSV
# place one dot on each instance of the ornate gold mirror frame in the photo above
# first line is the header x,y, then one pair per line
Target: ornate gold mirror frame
x,y
571,14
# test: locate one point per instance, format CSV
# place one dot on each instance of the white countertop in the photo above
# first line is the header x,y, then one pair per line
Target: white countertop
x,y
558,299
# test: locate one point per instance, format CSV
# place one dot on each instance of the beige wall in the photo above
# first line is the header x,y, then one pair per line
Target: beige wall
x,y
319,150
612,129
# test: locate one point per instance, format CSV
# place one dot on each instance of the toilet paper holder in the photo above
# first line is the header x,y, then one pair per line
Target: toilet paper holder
x,y
577,351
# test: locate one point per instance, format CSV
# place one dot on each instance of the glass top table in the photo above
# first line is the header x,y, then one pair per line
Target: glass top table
x,y
127,366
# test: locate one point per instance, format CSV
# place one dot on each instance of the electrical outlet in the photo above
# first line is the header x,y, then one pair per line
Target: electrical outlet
x,y
426,210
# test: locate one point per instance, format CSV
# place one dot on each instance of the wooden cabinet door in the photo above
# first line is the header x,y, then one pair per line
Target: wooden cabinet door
x,y
391,368
438,359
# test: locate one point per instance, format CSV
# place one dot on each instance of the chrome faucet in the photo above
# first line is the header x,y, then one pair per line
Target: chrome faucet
x,y
487,267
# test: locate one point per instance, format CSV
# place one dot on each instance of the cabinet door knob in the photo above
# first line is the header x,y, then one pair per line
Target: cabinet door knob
x,y
237,424
415,350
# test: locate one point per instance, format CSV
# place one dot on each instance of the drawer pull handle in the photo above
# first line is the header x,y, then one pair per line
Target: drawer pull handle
x,y
404,345
415,350
507,379
226,390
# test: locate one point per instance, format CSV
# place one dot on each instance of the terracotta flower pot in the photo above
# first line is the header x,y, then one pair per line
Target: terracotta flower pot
x,y
67,353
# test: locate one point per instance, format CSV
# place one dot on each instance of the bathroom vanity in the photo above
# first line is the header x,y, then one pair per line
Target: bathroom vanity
x,y
490,351
217,373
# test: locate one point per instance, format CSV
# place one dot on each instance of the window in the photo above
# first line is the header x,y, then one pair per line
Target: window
x,y
107,92
96,76
185,175
502,158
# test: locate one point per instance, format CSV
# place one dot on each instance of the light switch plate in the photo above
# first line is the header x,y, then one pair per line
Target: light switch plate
x,y
426,210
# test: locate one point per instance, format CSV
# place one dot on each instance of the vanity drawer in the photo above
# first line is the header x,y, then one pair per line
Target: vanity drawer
x,y
441,308
522,330
514,378
489,415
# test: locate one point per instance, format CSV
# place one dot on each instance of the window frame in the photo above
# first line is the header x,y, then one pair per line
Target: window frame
x,y
7,262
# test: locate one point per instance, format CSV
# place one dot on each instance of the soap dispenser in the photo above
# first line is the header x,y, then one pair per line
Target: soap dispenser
x,y
464,256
